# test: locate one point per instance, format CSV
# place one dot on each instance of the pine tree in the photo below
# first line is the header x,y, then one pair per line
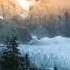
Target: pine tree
x,y
27,62
55,68
10,57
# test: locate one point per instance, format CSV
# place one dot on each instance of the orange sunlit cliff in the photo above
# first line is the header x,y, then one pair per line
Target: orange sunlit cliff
x,y
10,8
50,7
39,7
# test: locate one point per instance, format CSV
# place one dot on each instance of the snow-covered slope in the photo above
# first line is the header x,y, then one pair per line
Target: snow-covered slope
x,y
49,52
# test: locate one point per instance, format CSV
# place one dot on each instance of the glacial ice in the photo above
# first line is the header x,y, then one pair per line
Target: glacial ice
x,y
49,52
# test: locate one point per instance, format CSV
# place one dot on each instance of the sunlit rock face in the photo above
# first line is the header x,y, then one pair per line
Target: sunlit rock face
x,y
50,17
47,17
35,7
49,7
9,8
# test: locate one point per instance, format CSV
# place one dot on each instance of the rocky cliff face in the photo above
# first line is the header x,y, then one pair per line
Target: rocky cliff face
x,y
46,17
50,17
38,8
9,8
50,7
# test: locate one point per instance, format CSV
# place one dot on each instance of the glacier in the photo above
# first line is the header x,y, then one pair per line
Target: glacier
x,y
48,52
